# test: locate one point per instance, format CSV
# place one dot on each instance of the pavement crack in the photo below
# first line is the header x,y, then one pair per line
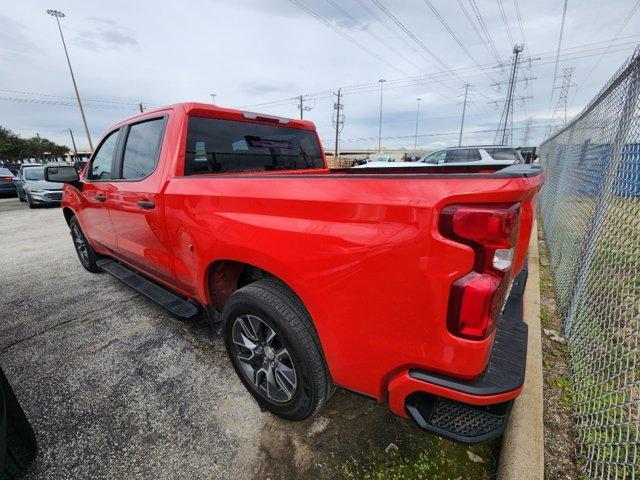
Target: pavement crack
x,y
82,318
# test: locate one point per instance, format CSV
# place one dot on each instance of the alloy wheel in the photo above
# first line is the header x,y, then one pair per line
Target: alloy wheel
x,y
264,358
80,244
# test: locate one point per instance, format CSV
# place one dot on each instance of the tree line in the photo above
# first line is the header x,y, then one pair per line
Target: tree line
x,y
13,147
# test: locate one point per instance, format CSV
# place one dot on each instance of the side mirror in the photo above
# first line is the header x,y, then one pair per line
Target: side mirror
x,y
61,174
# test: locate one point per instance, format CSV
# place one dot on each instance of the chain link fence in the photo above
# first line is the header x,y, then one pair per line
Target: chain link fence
x,y
590,209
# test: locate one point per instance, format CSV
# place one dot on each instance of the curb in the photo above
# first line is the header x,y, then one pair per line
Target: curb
x,y
522,453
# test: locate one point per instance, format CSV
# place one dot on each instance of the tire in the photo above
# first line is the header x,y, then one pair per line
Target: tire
x,y
29,202
293,396
20,197
87,256
16,434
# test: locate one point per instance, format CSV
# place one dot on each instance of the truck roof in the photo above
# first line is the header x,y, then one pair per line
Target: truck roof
x,y
215,111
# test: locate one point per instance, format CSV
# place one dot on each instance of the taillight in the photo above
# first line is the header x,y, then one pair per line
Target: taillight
x,y
476,299
6,179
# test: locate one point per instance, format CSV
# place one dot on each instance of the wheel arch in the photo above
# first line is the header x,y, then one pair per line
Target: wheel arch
x,y
225,276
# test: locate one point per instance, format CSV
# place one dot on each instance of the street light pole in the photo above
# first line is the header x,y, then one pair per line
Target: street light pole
x,y
381,82
415,140
58,15
213,98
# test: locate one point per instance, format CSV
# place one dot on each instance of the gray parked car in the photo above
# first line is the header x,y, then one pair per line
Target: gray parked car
x,y
34,189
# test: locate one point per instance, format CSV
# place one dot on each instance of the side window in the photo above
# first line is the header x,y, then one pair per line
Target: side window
x,y
103,158
463,155
142,148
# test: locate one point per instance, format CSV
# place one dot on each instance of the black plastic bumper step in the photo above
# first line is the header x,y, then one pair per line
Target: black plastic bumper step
x,y
458,421
178,306
506,368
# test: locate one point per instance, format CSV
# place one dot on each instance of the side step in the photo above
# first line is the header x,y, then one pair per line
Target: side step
x,y
176,305
457,421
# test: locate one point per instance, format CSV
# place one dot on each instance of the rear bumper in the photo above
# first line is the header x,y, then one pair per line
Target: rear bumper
x,y
437,402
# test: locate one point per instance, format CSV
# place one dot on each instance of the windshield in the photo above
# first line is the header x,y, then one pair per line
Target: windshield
x,y
435,157
34,173
226,146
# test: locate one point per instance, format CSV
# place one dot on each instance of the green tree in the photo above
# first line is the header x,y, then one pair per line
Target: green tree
x,y
13,147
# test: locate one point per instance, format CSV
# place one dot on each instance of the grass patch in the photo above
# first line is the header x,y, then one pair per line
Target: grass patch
x,y
431,458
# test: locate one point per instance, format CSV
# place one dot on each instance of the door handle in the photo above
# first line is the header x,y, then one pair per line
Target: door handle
x,y
146,204
100,197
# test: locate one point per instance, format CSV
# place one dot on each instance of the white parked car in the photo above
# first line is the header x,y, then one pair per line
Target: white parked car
x,y
474,155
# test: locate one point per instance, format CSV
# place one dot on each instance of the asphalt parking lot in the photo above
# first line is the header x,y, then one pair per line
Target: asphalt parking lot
x,y
116,387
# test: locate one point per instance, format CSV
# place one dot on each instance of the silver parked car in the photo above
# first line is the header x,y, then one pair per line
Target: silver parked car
x,y
34,189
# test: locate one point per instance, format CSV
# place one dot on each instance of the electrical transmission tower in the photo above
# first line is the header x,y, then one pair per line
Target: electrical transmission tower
x,y
527,131
338,121
559,116
504,133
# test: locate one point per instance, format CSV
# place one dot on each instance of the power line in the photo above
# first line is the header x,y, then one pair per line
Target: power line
x,y
356,22
555,68
483,26
505,22
383,21
633,11
519,17
466,72
410,34
355,42
453,35
64,104
483,40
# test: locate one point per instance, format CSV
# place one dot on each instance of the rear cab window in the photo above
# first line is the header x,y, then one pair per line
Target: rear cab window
x,y
229,146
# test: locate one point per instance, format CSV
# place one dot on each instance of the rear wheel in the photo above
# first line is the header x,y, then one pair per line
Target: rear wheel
x,y
275,349
88,257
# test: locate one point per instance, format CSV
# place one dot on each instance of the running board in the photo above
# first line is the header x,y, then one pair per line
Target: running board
x,y
166,298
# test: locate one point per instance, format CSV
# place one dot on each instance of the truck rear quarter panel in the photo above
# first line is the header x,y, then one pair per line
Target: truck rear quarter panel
x,y
363,254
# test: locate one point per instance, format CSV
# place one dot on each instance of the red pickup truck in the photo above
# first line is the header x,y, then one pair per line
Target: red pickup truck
x,y
401,285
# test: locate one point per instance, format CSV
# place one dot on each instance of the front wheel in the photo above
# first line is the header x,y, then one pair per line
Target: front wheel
x,y
88,257
275,349
30,202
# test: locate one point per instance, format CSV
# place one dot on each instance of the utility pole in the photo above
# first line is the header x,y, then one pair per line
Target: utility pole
x,y
415,138
213,98
339,121
464,111
301,106
73,141
507,113
58,15
381,82
141,107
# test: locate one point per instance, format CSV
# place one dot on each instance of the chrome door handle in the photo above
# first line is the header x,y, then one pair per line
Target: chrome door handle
x,y
146,204
100,197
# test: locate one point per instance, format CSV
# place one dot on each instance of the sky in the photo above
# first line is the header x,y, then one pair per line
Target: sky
x,y
259,55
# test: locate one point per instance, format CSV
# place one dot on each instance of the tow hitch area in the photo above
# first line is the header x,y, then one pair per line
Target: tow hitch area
x,y
458,421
